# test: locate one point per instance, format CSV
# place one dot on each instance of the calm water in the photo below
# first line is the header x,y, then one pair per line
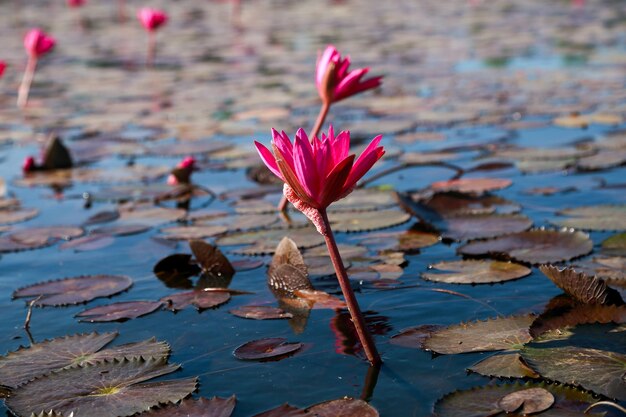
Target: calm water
x,y
438,69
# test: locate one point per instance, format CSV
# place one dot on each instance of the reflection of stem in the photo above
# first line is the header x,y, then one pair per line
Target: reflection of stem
x,y
371,378
353,306
151,49
282,206
29,315
27,80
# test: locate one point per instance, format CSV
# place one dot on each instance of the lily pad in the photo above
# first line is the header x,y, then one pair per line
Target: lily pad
x,y
17,215
367,220
476,272
528,401
75,290
482,226
41,358
344,407
502,333
483,401
505,365
597,370
536,246
265,241
200,298
119,311
604,217
475,186
615,245
112,388
274,348
201,407
587,290
261,313
192,232
284,410
37,237
414,337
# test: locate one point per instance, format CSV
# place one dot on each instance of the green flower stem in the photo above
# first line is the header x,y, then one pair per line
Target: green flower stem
x,y
353,306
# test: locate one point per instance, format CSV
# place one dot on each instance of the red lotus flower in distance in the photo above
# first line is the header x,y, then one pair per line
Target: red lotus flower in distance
x,y
182,172
320,172
75,3
3,66
37,42
151,19
334,80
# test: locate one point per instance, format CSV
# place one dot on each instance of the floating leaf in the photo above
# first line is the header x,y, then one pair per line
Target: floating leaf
x,y
604,217
506,365
88,243
17,215
260,313
344,407
528,401
274,348
201,407
481,226
588,290
563,312
41,358
535,246
597,370
111,388
149,215
265,241
119,311
483,401
476,272
502,333
414,337
192,232
284,410
211,260
200,298
102,217
475,186
365,221
615,245
320,299
75,290
37,237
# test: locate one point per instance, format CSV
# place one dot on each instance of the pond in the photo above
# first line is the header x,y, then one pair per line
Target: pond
x,y
499,118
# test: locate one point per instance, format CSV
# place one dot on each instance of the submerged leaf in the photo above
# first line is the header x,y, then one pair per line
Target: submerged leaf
x,y
274,348
112,388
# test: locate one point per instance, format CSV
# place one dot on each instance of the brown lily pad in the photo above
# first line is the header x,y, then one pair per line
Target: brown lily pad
x,y
284,410
75,290
482,226
506,365
605,217
475,186
122,311
119,386
37,237
41,358
476,272
261,313
527,401
192,232
414,337
265,241
344,407
587,290
199,298
367,220
274,348
201,407
17,215
536,246
502,333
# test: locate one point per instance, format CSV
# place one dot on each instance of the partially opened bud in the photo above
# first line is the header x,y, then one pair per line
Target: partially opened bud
x,y
37,42
29,164
151,19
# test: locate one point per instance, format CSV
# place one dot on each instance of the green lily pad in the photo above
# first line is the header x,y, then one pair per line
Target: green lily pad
x,y
111,388
476,272
597,370
615,245
502,333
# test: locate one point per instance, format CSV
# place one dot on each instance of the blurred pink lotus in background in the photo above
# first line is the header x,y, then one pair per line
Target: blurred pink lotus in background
x,y
151,19
75,3
37,42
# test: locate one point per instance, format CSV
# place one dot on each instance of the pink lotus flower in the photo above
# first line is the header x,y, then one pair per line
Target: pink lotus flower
x,y
320,172
182,173
334,80
37,42
3,66
151,19
75,3
29,164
